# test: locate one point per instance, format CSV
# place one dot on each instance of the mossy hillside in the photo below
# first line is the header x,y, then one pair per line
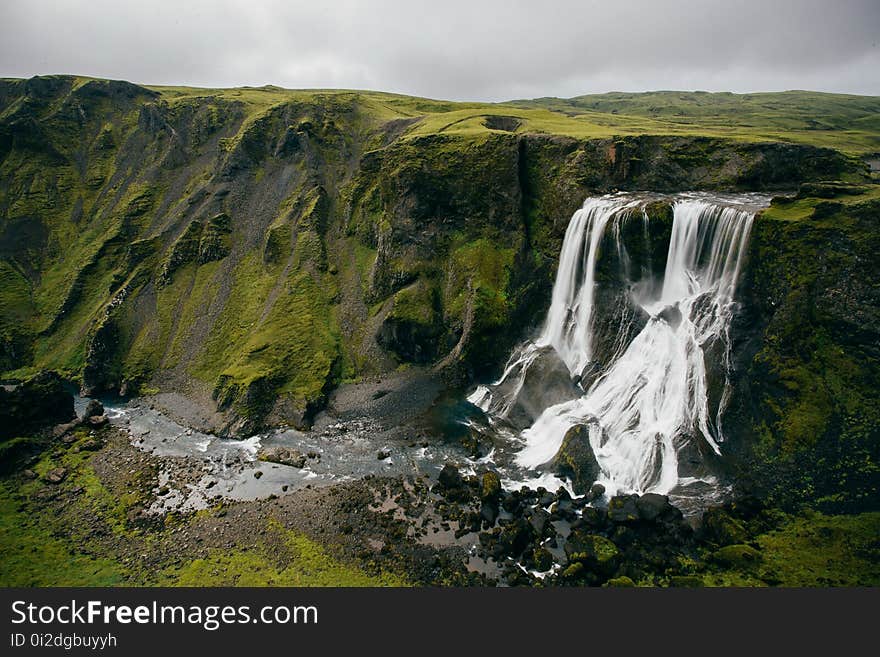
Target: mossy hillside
x,y
807,549
16,314
837,121
812,383
90,169
289,356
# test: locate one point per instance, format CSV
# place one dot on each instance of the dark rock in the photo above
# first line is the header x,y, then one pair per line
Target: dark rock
x,y
38,402
93,408
383,454
545,383
512,502
29,474
652,506
575,459
623,508
538,521
91,444
594,517
258,474
489,511
596,492
97,421
452,486
450,477
62,430
546,499
718,526
515,538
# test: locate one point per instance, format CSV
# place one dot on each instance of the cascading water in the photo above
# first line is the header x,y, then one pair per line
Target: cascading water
x,y
645,399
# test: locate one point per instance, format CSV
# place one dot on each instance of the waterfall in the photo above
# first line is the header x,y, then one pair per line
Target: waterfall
x,y
645,394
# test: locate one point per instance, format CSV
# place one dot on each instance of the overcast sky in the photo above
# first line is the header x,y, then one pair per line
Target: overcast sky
x,y
473,50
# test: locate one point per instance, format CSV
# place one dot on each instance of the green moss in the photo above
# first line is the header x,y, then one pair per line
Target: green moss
x,y
31,555
807,550
416,304
287,349
292,560
815,377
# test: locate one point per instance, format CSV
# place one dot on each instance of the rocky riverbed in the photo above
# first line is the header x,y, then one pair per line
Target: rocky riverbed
x,y
189,496
127,488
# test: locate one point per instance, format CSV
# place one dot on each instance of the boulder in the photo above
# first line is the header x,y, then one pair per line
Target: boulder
x,y
543,559
652,506
620,582
489,512
56,475
491,486
575,459
623,508
452,486
594,551
543,382
97,421
736,556
283,455
450,477
594,517
538,520
93,409
596,492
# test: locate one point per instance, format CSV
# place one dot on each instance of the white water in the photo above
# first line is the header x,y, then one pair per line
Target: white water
x,y
651,399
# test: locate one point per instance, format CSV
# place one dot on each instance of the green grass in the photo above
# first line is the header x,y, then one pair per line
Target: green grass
x,y
844,122
811,549
32,555
291,560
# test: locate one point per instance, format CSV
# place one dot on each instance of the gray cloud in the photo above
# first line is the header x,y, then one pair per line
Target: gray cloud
x,y
477,50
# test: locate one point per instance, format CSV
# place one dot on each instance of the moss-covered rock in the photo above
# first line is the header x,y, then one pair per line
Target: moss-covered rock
x,y
596,552
490,486
737,556
575,459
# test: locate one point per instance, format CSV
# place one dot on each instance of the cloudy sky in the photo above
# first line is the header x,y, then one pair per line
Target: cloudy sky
x,y
472,50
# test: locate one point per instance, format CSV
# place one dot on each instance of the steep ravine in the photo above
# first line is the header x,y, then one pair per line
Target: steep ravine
x,y
244,254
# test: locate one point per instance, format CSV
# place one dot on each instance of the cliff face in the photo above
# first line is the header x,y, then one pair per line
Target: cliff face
x,y
804,419
257,248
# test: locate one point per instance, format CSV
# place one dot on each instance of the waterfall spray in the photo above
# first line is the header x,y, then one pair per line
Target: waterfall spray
x,y
649,399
